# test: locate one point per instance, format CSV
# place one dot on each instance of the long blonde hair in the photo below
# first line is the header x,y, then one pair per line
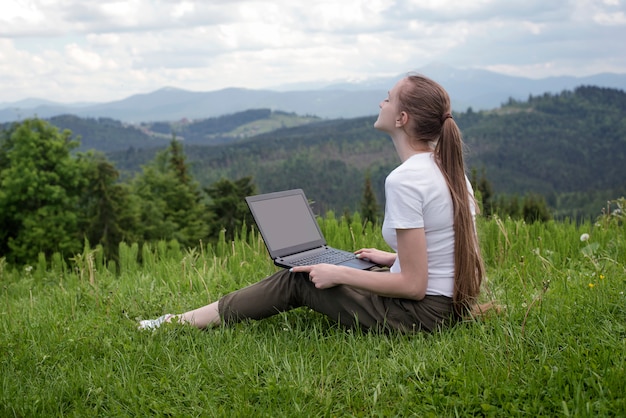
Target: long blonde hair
x,y
430,120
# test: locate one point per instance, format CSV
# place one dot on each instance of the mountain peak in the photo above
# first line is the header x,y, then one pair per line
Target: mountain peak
x,y
169,89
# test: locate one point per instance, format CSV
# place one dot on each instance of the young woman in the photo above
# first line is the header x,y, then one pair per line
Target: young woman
x,y
435,272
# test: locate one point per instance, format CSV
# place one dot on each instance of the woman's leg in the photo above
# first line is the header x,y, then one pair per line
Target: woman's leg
x,y
203,317
349,307
257,301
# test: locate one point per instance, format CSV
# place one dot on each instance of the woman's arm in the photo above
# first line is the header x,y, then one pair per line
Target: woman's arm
x,y
380,257
410,283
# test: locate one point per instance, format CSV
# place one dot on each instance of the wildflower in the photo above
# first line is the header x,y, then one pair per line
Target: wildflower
x,y
584,237
591,285
602,276
28,270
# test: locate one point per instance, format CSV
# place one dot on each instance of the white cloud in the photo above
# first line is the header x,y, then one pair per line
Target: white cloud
x,y
182,9
25,12
83,59
532,27
611,19
97,50
106,40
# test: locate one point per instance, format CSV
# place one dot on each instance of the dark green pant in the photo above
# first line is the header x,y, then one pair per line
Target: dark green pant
x,y
348,306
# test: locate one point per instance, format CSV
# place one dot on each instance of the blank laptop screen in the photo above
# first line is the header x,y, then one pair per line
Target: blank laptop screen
x,y
286,222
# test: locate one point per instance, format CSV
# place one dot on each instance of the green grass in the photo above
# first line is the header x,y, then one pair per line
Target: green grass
x,y
69,344
274,122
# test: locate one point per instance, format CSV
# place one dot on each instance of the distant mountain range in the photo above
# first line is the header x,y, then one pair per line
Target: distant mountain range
x,y
477,89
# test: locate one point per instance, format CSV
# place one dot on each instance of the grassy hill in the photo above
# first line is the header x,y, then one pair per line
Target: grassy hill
x,y
228,128
70,346
110,135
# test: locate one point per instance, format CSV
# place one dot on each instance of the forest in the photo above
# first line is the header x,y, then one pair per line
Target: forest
x,y
69,182
567,150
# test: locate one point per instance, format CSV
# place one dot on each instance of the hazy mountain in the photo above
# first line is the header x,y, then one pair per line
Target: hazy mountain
x,y
478,89
32,103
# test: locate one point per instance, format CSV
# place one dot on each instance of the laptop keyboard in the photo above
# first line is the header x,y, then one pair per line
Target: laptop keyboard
x,y
330,256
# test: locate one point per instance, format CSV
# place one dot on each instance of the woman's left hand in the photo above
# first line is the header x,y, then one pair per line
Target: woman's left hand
x,y
324,276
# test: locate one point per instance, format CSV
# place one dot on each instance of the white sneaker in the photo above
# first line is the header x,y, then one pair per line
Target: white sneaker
x,y
154,323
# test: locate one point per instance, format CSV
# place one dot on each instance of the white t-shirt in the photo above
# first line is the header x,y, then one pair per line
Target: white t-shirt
x,y
417,196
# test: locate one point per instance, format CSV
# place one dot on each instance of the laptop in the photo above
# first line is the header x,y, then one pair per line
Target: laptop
x,y
291,233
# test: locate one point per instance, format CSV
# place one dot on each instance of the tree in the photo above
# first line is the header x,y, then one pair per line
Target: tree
x,y
40,187
483,186
369,205
110,215
513,207
534,209
170,203
178,162
228,204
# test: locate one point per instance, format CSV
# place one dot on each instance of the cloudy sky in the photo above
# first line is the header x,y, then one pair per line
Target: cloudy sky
x,y
103,50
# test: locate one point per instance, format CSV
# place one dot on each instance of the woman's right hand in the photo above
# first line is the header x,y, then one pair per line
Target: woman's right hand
x,y
382,258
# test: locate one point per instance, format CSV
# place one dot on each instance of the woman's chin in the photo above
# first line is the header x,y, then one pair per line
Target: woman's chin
x,y
379,127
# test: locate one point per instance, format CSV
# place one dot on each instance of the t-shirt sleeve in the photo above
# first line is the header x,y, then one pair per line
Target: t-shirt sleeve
x,y
404,203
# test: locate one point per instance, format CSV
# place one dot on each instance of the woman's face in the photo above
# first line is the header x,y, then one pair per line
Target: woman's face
x,y
389,110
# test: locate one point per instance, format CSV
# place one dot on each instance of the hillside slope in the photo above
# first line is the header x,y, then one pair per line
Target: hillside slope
x,y
569,147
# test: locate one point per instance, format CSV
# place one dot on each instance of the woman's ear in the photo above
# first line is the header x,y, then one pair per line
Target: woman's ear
x,y
402,119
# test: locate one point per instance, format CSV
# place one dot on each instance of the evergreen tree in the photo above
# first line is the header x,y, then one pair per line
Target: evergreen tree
x,y
170,203
369,205
178,162
534,209
228,204
514,208
110,214
40,187
483,186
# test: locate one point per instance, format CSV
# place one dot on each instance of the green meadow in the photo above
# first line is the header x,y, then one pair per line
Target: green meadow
x,y
69,345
